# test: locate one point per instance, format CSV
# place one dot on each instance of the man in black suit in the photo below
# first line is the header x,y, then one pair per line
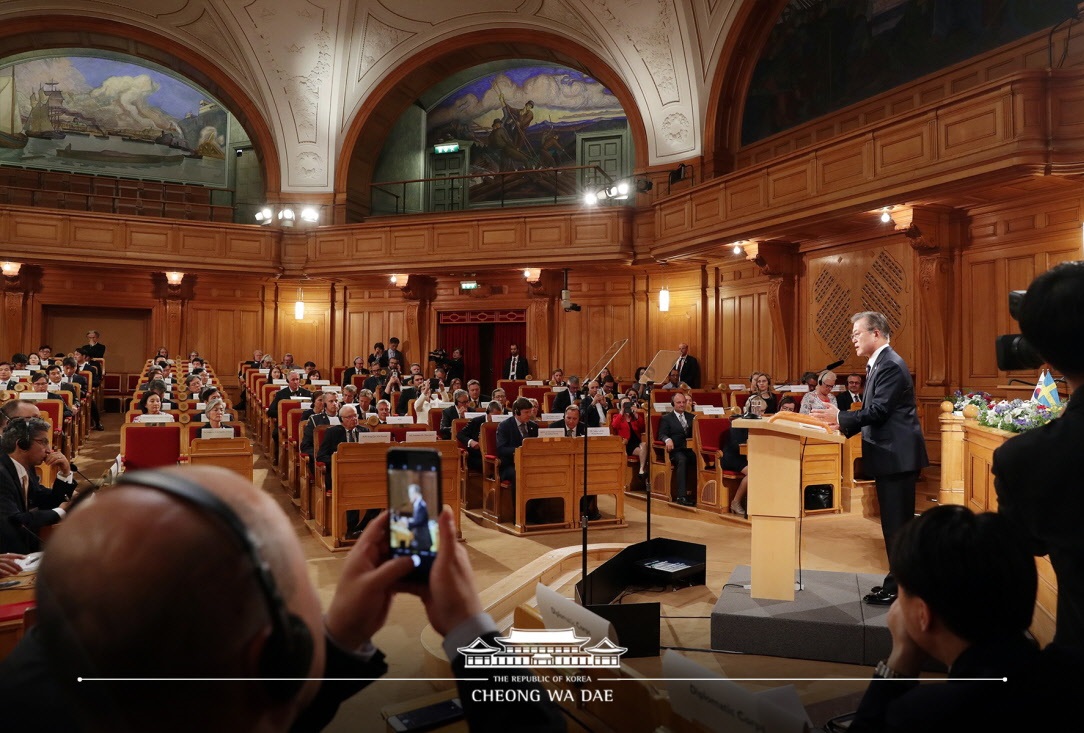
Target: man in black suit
x,y
688,367
571,423
25,505
273,627
83,364
474,392
676,432
292,391
71,376
510,435
594,406
254,363
893,449
94,349
55,375
331,409
569,396
515,366
470,436
394,352
853,393
347,431
6,381
419,520
39,382
410,394
457,410
358,368
378,359
1038,473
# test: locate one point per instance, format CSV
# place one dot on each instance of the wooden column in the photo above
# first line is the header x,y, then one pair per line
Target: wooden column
x,y
173,299
779,261
18,295
541,331
952,456
419,293
934,233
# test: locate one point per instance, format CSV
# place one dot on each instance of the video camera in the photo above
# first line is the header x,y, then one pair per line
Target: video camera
x,y
1013,350
440,357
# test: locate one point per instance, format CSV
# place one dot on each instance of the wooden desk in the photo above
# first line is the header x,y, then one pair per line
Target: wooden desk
x,y
234,454
552,468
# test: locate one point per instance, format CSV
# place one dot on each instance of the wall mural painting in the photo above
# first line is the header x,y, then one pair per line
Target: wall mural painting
x,y
111,117
523,119
823,55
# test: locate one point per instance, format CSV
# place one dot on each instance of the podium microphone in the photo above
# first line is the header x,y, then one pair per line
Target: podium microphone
x,y
834,364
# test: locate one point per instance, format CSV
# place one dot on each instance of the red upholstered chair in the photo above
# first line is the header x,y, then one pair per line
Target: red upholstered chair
x,y
313,487
714,486
496,494
150,446
709,397
337,374
663,395
738,399
112,390
512,388
435,416
54,410
398,432
535,393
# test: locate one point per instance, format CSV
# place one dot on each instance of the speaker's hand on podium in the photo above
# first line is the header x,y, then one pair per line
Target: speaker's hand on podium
x,y
827,414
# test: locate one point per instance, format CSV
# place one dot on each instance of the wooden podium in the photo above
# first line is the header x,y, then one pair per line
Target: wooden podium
x,y
775,497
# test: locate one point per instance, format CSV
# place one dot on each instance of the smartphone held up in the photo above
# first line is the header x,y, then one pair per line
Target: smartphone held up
x,y
414,503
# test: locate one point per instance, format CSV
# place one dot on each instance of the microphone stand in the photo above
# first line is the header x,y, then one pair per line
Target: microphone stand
x,y
649,441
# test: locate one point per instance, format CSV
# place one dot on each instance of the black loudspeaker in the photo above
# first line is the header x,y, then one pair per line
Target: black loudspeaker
x,y
287,653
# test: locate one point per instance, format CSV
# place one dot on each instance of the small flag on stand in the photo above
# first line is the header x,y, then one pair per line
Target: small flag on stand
x,y
1046,392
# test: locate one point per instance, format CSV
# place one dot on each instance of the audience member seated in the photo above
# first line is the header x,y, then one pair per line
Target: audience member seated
x,y
293,390
151,406
675,431
18,361
6,380
366,404
673,381
215,414
55,375
821,395
788,404
469,437
275,374
474,392
763,388
571,423
510,435
418,388
328,408
557,379
25,505
378,359
357,369
40,383
967,588
452,413
595,406
853,393
238,627
70,367
193,384
499,396
733,460
309,367
207,394
810,380
347,431
33,362
350,394
629,424
383,411
569,396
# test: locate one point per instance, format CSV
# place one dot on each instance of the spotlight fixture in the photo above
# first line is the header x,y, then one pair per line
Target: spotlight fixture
x,y
264,216
286,217
468,285
239,152
886,218
737,248
309,215
617,191
590,198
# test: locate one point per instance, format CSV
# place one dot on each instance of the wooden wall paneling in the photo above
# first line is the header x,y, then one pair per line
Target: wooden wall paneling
x,y
307,339
126,332
606,316
684,323
746,336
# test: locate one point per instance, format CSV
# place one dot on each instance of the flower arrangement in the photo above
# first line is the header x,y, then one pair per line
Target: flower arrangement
x,y
960,400
1017,416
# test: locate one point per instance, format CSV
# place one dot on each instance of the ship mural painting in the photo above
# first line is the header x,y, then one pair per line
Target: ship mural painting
x,y
110,114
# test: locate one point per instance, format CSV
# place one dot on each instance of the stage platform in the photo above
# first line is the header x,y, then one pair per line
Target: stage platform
x,y
826,621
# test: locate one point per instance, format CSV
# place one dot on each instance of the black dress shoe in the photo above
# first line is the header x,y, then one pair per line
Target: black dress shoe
x,y
684,502
594,516
99,427
880,598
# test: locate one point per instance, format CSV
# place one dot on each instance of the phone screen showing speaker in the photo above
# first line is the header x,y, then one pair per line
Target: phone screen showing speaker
x,y
414,502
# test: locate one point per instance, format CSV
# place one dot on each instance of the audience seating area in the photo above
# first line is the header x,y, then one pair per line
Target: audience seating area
x,y
107,195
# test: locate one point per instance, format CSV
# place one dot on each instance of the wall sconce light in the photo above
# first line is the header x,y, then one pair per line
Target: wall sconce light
x,y
886,218
532,274
11,269
174,278
664,300
309,215
738,248
286,217
299,305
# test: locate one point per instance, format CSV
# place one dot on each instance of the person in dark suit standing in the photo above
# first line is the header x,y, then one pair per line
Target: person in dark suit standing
x,y
688,367
515,366
94,349
852,394
419,520
571,423
510,435
1037,474
25,505
676,432
893,449
393,351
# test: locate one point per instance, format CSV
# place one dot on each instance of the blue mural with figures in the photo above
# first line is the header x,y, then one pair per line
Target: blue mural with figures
x,y
114,115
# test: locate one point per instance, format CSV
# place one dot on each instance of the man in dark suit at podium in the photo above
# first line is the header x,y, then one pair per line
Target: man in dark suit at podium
x,y
676,431
419,521
515,366
893,449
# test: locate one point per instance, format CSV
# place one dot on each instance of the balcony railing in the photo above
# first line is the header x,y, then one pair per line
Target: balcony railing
x,y
528,187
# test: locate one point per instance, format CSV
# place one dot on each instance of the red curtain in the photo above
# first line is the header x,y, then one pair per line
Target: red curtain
x,y
504,335
464,337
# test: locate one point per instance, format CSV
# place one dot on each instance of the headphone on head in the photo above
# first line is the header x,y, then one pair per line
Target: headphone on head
x,y
287,653
19,433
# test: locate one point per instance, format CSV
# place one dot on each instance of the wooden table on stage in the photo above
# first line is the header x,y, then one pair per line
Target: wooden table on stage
x,y
775,500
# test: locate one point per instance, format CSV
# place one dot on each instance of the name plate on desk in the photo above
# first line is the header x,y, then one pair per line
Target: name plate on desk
x,y
535,383
559,612
439,405
400,420
33,395
283,382
553,416
737,387
320,382
305,405
551,432
167,405
498,418
264,371
661,406
712,410
216,433
156,420
472,415
598,432
17,373
225,418
330,387
374,438
421,436
701,695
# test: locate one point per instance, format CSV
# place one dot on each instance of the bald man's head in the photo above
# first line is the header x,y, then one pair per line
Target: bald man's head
x,y
139,583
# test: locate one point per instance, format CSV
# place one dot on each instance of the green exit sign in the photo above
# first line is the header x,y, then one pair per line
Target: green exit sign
x,y
446,148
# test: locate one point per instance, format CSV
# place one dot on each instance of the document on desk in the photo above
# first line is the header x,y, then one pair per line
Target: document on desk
x,y
29,564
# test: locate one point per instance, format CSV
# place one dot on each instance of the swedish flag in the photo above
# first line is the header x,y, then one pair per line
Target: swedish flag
x,y
1046,392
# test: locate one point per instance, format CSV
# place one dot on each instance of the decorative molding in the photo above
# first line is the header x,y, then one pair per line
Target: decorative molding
x,y
377,40
420,288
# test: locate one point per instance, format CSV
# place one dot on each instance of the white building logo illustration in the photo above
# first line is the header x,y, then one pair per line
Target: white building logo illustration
x,y
542,648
